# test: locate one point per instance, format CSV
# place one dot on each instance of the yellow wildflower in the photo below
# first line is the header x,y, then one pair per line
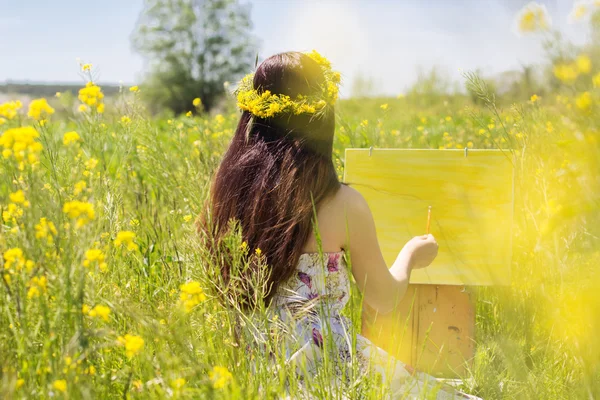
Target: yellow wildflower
x,y
79,187
82,108
45,230
95,256
60,385
18,197
197,102
566,73
178,383
85,309
58,94
37,286
384,106
9,109
126,238
125,120
584,64
584,101
39,109
220,377
134,89
12,213
533,17
91,95
86,67
596,80
100,311
188,114
71,137
20,383
133,344
191,295
100,108
21,144
14,260
80,210
534,98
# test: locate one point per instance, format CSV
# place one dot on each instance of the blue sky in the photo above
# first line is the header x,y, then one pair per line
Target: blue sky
x,y
384,39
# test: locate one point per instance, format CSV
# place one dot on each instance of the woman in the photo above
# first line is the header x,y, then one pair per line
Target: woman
x,y
277,179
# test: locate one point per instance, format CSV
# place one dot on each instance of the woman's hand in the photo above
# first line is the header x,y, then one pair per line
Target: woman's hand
x,y
420,251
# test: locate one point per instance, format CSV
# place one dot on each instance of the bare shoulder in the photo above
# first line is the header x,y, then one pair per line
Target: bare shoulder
x,y
350,200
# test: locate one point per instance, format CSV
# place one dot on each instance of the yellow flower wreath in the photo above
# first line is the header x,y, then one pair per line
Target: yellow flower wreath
x,y
267,104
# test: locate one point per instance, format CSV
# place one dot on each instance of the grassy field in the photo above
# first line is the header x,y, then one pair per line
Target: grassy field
x,y
106,291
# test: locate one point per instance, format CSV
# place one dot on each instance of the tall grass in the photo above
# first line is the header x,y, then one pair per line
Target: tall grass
x,y
146,181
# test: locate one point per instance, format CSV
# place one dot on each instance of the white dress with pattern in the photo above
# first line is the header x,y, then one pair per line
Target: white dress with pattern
x,y
310,304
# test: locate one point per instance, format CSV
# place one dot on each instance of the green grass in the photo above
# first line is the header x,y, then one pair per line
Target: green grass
x,y
535,339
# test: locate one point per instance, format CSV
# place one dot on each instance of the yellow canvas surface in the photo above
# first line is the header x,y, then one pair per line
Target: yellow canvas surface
x,y
472,208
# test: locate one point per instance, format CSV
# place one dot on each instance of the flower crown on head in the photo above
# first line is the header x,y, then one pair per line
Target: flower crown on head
x,y
267,104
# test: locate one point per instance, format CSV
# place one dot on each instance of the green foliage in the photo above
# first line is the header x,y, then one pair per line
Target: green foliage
x,y
192,47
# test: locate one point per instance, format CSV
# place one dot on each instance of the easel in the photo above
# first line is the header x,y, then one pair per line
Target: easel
x,y
472,192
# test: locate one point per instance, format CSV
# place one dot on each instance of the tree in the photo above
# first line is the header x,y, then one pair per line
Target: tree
x,y
191,48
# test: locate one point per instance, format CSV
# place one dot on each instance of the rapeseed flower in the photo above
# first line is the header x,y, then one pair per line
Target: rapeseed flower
x,y
39,109
134,89
532,18
80,210
584,101
220,377
126,238
566,73
100,311
584,64
37,286
60,385
133,344
91,95
70,138
191,294
9,109
21,144
95,257
197,102
45,230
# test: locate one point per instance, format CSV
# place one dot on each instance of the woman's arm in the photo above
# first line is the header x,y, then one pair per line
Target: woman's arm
x,y
383,288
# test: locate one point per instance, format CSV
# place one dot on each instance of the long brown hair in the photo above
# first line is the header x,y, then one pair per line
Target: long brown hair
x,y
273,172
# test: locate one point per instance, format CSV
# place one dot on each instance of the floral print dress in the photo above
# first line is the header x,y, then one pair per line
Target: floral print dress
x,y
310,305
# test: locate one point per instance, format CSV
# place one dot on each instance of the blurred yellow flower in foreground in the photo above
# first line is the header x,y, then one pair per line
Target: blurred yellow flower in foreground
x,y
21,144
220,377
584,64
197,102
534,98
533,17
39,109
100,311
60,385
9,109
191,295
584,101
95,256
126,238
86,67
83,211
71,137
178,383
134,89
45,230
566,73
596,80
37,286
133,344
